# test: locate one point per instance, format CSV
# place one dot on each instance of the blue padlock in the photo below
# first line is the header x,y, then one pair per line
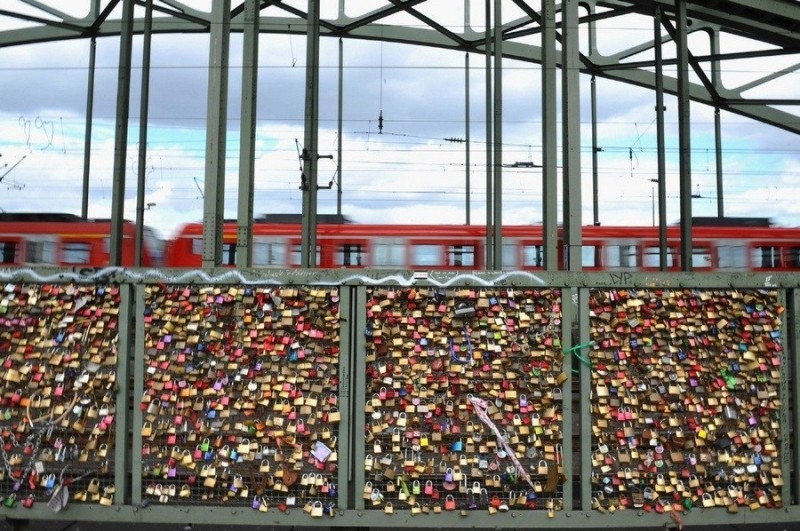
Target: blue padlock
x,y
457,446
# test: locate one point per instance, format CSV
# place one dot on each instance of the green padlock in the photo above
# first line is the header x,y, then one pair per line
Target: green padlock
x,y
10,501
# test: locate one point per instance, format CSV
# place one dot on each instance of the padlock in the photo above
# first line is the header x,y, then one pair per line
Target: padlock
x,y
11,500
28,502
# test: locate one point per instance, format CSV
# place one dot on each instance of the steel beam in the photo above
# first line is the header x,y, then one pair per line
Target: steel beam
x,y
144,106
684,137
216,134
489,137
121,134
339,118
87,138
310,156
660,150
497,210
571,136
549,137
247,148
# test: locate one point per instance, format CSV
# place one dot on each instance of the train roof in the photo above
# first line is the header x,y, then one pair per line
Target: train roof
x,y
40,216
715,221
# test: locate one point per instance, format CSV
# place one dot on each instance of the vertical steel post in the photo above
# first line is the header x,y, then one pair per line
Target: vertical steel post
x,y
138,390
339,119
585,411
144,107
569,317
715,80
497,227
121,133
684,136
87,139
308,247
790,372
216,116
571,136
247,148
350,304
660,151
358,387
549,137
489,129
122,454
467,128
595,150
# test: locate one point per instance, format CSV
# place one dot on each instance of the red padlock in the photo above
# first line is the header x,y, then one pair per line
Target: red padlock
x,y
28,502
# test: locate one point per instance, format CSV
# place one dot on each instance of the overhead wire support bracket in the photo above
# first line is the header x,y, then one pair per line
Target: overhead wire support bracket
x,y
304,156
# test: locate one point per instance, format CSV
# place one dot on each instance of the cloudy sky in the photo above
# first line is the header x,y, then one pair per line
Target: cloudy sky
x,y
407,173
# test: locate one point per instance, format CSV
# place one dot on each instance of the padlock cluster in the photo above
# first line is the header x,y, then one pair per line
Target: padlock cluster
x,y
464,404
58,345
241,396
685,404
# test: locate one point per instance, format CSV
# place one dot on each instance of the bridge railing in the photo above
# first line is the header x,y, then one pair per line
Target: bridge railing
x,y
379,398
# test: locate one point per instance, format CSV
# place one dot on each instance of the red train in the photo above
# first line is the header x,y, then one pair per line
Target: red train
x,y
69,240
727,244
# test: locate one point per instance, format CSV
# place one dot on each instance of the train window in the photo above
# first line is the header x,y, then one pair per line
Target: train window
x,y
76,253
732,256
349,254
268,254
40,252
701,257
793,257
509,256
589,256
460,255
532,255
651,257
8,252
766,257
425,255
297,254
621,256
228,251
388,254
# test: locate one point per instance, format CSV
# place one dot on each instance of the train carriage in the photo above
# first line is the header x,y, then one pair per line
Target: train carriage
x,y
68,240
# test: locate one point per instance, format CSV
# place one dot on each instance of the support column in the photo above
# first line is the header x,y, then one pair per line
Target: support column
x,y
247,157
595,150
467,127
571,136
310,156
121,134
716,82
339,130
549,137
216,118
662,177
489,129
144,111
87,141
684,136
498,138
